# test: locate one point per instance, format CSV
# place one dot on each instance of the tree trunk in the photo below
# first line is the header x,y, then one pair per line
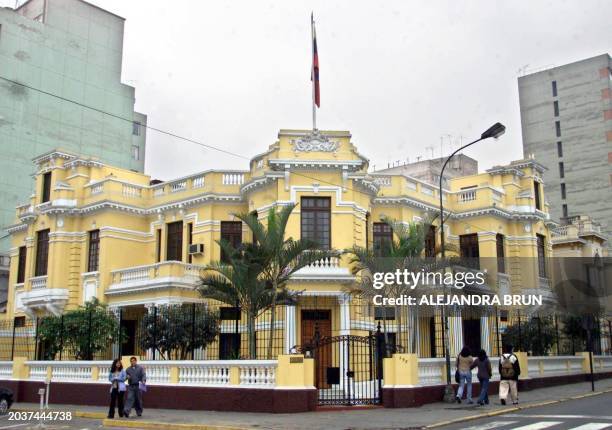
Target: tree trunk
x,y
251,336
272,322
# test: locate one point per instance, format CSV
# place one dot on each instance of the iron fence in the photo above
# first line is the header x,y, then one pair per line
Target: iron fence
x,y
213,331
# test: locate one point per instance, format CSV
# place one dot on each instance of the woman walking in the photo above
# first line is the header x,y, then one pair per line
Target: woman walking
x,y
485,373
117,378
464,368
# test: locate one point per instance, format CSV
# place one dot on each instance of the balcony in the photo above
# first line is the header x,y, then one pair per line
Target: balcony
x,y
478,198
329,269
167,274
576,230
40,297
38,282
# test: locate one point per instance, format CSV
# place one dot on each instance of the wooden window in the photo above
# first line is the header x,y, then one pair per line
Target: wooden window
x,y
46,187
231,231
430,241
174,241
383,238
537,196
367,231
190,240
256,215
42,253
21,264
541,255
501,257
94,251
316,220
468,246
158,244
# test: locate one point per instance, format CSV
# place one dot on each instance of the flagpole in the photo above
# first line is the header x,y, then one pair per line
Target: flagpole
x,y
312,75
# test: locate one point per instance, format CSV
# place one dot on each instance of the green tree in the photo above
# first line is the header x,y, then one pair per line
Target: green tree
x,y
535,336
238,281
281,256
175,331
574,329
84,331
404,252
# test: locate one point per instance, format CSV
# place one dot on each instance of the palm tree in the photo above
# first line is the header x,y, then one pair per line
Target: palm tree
x,y
283,256
238,282
404,252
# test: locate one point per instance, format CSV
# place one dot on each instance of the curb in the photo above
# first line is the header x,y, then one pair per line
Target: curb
x,y
514,409
135,423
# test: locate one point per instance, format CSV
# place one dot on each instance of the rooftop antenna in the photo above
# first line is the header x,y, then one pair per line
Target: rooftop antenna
x,y
430,148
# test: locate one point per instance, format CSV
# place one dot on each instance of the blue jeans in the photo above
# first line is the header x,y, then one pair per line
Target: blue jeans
x,y
484,391
465,378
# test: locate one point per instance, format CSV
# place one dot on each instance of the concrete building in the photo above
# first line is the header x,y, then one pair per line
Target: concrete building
x,y
566,117
429,170
71,49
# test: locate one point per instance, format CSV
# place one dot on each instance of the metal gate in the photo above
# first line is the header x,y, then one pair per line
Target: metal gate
x,y
348,369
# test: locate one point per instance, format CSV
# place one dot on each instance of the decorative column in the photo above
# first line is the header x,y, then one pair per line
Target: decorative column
x,y
485,334
345,314
290,329
116,311
455,335
345,329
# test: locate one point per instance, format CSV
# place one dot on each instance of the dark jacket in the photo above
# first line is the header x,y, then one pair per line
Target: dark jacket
x,y
135,375
515,365
484,368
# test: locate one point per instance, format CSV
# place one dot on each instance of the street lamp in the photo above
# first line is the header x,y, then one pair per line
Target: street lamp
x,y
494,131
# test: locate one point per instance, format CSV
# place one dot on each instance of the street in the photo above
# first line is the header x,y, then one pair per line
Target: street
x,y
590,413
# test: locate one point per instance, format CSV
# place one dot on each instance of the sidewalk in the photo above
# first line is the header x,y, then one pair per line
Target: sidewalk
x,y
371,418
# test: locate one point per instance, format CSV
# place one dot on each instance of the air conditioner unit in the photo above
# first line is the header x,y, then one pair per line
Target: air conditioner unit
x,y
196,248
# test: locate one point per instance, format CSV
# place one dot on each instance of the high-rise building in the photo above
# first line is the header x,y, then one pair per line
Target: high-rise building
x,y
73,50
566,117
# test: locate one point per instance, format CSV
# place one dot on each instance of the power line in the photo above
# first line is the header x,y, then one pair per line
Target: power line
x,y
186,139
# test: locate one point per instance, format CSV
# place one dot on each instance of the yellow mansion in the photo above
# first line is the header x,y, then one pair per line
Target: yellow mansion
x,y
93,230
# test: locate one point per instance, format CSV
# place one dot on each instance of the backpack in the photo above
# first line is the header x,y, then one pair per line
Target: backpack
x,y
507,367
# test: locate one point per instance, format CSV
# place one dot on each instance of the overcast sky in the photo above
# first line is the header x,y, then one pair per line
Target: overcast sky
x,y
397,74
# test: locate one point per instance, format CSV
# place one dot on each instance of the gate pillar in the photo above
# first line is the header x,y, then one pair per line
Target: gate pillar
x,y
401,371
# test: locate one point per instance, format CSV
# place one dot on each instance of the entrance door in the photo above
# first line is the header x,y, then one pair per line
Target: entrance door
x,y
128,346
471,335
316,325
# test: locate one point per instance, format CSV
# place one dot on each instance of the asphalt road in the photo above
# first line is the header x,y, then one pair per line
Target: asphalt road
x,y
590,413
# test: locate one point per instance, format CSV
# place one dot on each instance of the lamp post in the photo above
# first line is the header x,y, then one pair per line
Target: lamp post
x,y
494,131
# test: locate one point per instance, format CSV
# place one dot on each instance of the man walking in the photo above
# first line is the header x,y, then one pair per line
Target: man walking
x,y
136,379
509,371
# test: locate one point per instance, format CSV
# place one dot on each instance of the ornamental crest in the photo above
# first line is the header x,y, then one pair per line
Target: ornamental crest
x,y
314,142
